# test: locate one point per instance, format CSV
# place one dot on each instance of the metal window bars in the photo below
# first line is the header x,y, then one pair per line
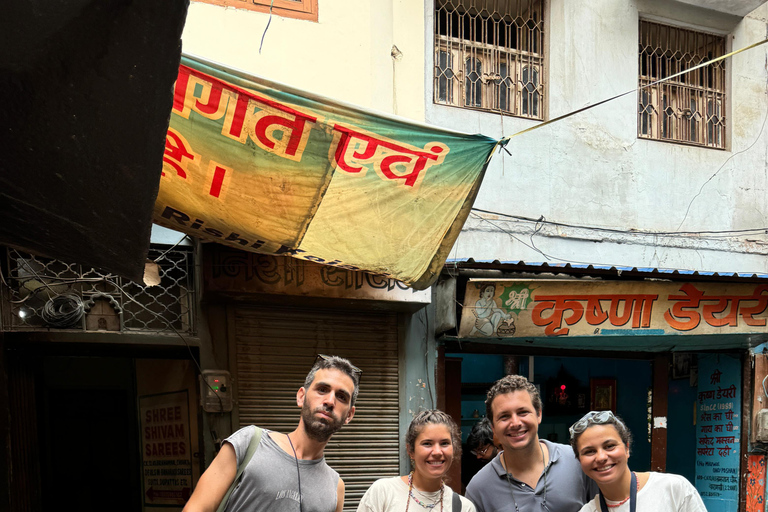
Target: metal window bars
x,y
489,55
39,293
689,108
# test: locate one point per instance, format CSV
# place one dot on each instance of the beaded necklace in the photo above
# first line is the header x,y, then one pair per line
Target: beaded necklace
x,y
620,503
427,506
634,486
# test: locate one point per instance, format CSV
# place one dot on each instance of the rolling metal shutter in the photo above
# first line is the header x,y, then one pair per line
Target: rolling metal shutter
x,y
275,349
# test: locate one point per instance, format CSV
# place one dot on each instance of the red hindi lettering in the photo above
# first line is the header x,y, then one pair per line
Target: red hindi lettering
x,y
634,307
594,314
218,179
747,313
180,89
377,152
296,127
176,150
341,150
710,310
242,110
690,300
559,304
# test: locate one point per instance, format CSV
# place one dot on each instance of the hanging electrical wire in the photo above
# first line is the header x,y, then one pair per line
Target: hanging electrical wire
x,y
542,220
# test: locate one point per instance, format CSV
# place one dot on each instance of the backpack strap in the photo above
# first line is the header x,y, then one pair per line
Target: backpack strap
x,y
255,440
456,503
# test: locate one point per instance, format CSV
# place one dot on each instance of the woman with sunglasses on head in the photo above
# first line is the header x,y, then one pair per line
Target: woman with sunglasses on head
x,y
433,442
601,442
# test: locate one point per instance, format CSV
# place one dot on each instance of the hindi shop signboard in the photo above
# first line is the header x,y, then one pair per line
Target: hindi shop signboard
x,y
717,431
265,168
527,308
227,270
166,449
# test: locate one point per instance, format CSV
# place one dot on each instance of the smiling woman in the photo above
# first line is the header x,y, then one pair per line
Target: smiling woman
x,y
433,443
601,442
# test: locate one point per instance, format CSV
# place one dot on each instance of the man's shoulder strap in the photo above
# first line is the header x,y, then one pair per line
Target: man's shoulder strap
x,y
456,503
255,440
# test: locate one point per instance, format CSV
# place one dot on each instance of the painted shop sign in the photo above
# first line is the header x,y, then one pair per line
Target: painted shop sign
x,y
718,431
166,448
239,271
518,308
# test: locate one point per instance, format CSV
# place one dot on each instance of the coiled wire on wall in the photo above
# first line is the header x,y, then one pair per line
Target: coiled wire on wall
x,y
63,311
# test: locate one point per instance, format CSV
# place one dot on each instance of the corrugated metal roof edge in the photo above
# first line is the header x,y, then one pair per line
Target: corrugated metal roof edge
x,y
604,270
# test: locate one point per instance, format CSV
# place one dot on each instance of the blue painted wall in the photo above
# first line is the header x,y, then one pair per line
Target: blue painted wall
x,y
681,431
477,368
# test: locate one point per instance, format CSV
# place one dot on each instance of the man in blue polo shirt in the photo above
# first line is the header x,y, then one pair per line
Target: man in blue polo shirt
x,y
529,473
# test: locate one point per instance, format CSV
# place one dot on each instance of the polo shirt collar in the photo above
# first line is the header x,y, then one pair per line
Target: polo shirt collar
x,y
554,456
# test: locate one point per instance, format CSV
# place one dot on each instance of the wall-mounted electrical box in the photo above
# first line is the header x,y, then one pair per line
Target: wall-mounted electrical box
x,y
215,391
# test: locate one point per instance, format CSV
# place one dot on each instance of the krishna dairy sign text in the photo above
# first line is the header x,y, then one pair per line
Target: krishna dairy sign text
x,y
515,308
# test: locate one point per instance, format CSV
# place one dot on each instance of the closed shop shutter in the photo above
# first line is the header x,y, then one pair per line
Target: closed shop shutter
x,y
275,349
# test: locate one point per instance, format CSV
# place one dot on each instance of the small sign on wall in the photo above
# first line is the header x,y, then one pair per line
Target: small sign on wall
x,y
718,431
166,448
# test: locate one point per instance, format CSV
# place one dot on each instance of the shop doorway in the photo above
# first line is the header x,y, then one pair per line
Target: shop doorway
x,y
571,386
100,431
88,434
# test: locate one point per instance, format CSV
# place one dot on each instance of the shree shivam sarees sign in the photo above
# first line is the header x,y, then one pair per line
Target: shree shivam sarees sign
x,y
266,168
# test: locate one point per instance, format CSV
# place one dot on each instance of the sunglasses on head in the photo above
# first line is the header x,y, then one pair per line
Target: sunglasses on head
x,y
592,418
354,368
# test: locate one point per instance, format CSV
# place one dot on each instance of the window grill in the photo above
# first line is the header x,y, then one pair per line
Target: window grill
x,y
39,293
689,108
489,55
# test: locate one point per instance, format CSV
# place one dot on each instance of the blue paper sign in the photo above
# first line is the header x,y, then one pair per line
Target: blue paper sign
x,y
718,428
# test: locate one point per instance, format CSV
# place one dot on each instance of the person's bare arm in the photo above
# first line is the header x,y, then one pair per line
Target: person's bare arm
x,y
340,496
214,482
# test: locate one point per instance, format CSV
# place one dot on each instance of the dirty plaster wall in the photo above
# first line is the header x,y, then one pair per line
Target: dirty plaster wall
x,y
592,170
417,370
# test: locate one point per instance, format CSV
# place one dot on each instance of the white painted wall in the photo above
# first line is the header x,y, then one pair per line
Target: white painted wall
x,y
592,170
345,55
588,170
739,7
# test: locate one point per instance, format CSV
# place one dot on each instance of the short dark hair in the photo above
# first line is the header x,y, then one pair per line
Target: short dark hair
x,y
335,363
510,384
436,417
480,435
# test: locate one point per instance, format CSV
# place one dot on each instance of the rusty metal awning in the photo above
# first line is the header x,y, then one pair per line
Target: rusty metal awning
x,y
596,270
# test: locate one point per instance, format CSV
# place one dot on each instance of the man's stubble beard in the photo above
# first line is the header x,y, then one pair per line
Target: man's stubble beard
x,y
316,429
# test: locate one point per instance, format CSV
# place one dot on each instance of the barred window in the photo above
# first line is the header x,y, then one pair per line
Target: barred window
x,y
689,108
489,55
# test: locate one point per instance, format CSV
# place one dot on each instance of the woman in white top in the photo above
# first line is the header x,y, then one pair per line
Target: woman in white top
x,y
601,442
433,442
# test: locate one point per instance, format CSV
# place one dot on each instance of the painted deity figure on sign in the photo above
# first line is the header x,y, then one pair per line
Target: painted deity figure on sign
x,y
489,316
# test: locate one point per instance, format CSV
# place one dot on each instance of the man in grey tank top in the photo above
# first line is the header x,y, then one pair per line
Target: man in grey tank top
x,y
287,472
